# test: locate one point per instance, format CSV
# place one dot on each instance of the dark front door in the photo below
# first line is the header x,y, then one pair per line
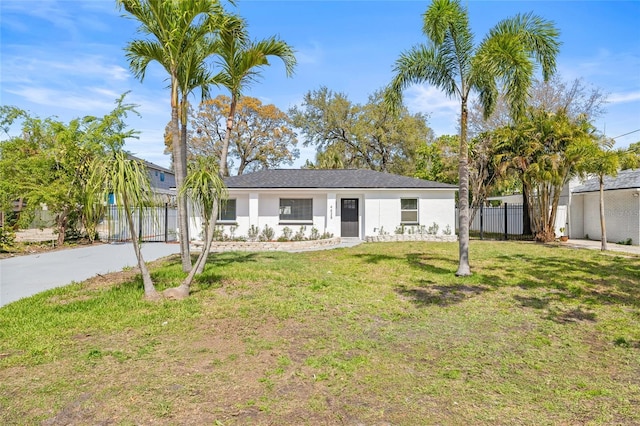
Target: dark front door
x,y
349,217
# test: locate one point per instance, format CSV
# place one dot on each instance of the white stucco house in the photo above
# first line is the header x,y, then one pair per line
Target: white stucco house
x,y
345,203
622,208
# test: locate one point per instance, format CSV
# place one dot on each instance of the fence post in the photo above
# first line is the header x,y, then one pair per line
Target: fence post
x,y
166,222
482,221
506,220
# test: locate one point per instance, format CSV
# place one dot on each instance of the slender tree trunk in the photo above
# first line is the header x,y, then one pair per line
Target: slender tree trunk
x,y
224,171
150,292
180,169
184,289
603,226
62,227
209,240
463,196
526,214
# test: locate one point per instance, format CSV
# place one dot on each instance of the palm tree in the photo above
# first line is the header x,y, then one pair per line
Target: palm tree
x,y
128,181
507,55
204,187
240,60
607,162
174,29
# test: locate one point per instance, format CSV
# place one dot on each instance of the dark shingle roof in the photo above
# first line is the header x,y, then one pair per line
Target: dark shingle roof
x,y
338,179
626,179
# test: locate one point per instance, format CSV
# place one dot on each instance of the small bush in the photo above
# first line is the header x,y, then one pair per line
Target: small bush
x,y
626,242
7,239
267,234
315,234
252,234
299,236
433,229
447,230
287,233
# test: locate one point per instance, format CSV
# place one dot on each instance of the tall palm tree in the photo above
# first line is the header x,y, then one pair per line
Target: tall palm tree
x,y
172,30
240,60
450,61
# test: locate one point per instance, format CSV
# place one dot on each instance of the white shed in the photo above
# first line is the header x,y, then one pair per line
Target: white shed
x,y
622,208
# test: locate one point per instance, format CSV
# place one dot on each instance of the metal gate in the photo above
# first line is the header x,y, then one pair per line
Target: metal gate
x,y
151,224
506,222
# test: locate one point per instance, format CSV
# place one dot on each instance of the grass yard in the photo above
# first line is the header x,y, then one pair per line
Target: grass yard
x,y
380,334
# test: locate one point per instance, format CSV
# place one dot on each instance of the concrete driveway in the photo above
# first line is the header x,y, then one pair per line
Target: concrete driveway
x,y
24,276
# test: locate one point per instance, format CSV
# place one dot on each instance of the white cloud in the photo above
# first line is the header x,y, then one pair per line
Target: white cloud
x,y
431,100
618,98
85,67
443,111
62,99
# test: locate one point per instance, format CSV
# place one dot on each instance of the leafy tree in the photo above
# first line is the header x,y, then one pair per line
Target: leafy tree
x,y
176,37
49,164
437,160
205,188
632,159
360,136
450,61
261,139
547,149
241,60
483,173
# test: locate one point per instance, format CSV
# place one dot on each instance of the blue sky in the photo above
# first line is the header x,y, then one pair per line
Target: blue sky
x,y
65,58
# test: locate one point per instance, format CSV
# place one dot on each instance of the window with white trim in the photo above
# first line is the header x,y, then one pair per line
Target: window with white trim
x,y
409,210
296,209
227,211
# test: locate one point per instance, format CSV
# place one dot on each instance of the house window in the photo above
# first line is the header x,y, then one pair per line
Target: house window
x,y
409,210
161,176
227,211
296,209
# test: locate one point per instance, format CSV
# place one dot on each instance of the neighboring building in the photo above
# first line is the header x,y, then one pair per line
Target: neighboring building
x,y
162,180
622,208
345,203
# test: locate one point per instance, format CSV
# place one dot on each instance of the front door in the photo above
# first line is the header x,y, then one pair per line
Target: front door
x,y
349,218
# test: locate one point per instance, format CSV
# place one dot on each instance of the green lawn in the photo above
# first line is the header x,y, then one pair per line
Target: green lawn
x,y
380,334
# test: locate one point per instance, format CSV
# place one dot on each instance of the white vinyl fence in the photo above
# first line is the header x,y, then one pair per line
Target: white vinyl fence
x,y
152,224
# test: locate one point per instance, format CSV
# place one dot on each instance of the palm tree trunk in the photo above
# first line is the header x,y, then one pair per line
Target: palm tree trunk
x,y
208,240
603,226
224,171
150,292
463,196
180,169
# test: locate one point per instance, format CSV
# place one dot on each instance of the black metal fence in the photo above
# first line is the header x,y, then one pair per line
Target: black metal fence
x,y
503,222
151,224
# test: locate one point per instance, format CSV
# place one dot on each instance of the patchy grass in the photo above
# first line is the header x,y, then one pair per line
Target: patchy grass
x,y
377,334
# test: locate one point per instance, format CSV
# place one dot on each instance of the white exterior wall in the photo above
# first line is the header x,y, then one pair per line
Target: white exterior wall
x,y
622,215
382,210
263,210
376,208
